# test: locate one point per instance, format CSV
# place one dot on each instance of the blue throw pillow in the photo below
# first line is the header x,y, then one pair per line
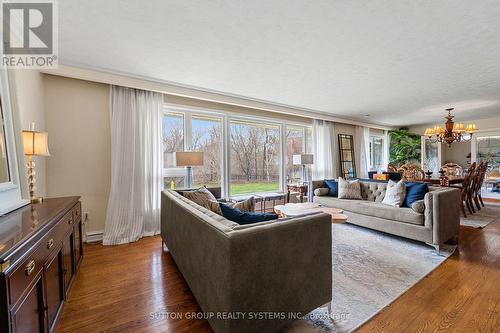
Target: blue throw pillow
x,y
333,186
414,192
236,215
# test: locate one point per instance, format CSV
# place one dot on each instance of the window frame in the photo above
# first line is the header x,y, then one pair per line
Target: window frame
x,y
226,118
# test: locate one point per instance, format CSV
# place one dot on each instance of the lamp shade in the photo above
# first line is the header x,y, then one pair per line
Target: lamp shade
x,y
36,143
188,158
303,159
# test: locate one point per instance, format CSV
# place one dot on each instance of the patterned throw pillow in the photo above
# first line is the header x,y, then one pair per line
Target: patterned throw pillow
x,y
247,205
201,196
349,189
395,193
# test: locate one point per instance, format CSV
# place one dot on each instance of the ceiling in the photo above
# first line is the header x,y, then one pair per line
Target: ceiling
x,y
387,62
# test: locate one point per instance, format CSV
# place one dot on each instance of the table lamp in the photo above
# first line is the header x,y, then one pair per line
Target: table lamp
x,y
188,159
304,160
35,144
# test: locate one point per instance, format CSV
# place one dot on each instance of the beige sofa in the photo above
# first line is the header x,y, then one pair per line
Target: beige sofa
x,y
437,224
283,267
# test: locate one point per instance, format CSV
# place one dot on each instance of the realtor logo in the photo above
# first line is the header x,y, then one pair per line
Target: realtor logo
x,y
29,35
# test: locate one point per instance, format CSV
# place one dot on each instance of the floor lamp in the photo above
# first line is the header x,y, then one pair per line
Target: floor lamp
x,y
188,159
304,160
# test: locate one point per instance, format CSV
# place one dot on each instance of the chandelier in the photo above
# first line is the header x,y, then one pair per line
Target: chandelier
x,y
451,132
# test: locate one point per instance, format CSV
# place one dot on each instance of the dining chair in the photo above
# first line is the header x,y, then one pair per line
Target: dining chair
x,y
452,169
465,190
411,172
480,175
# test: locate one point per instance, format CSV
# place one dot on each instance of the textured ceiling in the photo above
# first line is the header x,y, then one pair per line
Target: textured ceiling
x,y
401,62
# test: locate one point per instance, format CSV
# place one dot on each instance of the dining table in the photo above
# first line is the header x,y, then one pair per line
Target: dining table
x,y
452,180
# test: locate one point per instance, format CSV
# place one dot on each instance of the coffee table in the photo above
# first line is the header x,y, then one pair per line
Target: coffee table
x,y
297,209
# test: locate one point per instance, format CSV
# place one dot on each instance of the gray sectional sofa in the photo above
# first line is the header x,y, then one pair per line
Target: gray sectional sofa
x,y
437,224
278,267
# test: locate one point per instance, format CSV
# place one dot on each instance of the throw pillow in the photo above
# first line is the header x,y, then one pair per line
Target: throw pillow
x,y
395,193
214,207
418,206
349,189
247,205
321,191
236,215
201,196
333,186
414,192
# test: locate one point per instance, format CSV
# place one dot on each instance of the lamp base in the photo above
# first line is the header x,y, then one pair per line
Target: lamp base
x,y
36,200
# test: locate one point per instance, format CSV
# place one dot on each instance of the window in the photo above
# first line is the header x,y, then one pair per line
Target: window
x,y
254,157
431,162
206,136
298,141
250,161
488,150
173,141
376,153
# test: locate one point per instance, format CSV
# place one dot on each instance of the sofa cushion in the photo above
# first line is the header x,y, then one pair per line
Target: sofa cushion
x,y
247,205
333,187
414,192
375,209
395,193
349,189
236,215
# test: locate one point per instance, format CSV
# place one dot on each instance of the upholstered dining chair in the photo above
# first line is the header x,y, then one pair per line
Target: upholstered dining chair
x,y
391,167
478,184
452,169
411,172
466,190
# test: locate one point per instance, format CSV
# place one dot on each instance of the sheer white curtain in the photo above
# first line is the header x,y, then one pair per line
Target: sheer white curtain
x,y
134,201
385,160
361,150
323,149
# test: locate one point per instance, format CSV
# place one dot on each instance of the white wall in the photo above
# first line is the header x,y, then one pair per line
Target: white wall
x,y
28,101
78,122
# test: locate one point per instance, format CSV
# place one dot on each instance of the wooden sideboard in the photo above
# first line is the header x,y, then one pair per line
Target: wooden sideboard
x,y
40,251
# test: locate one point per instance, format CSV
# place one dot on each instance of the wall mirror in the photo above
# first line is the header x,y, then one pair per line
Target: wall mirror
x,y
10,183
346,150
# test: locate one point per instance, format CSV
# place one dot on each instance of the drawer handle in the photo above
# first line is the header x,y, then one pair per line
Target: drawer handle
x,y
50,243
30,267
70,221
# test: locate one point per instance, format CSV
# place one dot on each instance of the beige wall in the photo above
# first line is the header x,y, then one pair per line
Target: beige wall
x,y
78,122
456,153
28,101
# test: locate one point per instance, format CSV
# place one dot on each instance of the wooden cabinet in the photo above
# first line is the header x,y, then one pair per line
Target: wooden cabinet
x,y
40,250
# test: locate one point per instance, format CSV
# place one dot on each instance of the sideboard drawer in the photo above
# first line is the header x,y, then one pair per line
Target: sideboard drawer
x,y
26,273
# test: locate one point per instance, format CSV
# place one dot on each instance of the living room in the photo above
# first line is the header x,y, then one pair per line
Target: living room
x,y
187,166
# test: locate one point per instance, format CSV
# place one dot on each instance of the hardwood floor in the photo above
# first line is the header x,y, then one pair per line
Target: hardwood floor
x,y
120,288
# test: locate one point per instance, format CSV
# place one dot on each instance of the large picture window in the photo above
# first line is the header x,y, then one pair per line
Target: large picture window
x,y
207,137
298,141
254,157
173,141
241,155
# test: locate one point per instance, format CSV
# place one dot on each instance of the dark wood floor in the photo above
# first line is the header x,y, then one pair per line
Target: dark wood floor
x,y
129,288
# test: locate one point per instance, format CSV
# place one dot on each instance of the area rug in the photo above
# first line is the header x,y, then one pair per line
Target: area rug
x,y
481,218
370,270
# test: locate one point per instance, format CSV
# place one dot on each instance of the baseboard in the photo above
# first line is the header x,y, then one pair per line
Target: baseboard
x,y
93,236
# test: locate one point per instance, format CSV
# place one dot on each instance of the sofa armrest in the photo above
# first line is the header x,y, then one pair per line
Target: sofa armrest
x,y
281,267
442,214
